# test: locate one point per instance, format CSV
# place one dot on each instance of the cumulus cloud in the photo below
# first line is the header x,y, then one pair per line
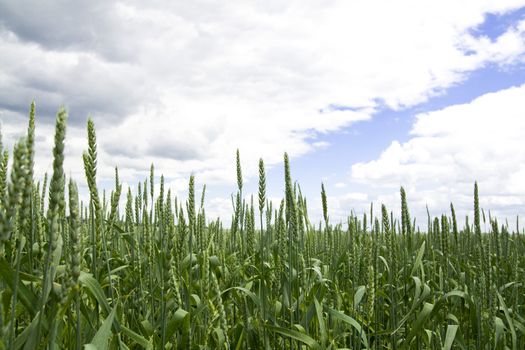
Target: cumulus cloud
x,y
452,148
183,84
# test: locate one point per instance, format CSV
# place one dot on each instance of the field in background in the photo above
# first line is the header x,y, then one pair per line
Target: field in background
x,y
161,275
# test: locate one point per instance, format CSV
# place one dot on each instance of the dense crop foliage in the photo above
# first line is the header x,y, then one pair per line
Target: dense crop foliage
x,y
157,273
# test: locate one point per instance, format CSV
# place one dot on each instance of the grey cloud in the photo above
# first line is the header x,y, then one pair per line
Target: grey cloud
x,y
89,86
39,138
108,106
176,150
170,149
99,83
94,26
125,149
62,25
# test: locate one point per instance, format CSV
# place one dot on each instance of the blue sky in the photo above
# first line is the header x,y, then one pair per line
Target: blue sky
x,y
354,144
495,24
366,140
362,100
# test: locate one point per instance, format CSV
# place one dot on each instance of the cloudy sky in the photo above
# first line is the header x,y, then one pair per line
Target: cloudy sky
x,y
364,96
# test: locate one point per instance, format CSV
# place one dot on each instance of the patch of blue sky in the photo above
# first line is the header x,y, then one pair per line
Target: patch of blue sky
x,y
496,24
364,141
337,107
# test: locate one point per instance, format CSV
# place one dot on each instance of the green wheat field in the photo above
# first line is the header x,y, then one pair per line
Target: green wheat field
x,y
159,274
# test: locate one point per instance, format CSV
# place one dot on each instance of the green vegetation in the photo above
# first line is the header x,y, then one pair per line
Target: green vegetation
x,y
162,275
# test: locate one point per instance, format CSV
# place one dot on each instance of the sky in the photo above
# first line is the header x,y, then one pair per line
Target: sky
x,y
364,96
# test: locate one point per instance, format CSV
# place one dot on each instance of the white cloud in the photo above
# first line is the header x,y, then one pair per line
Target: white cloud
x,y
453,147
